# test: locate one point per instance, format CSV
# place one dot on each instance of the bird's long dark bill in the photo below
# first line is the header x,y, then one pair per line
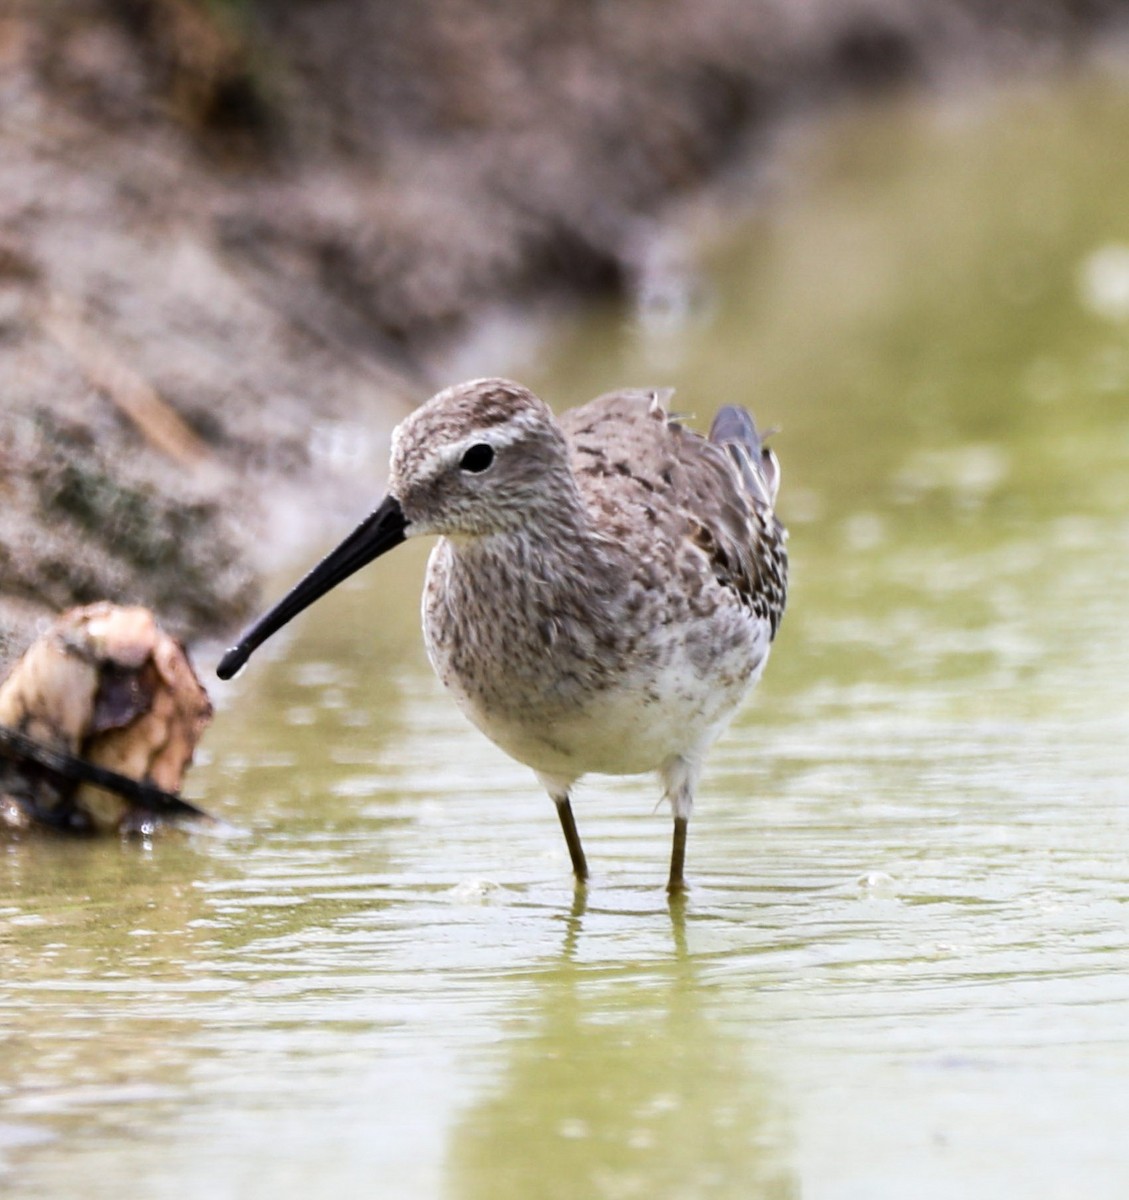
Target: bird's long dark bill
x,y
376,534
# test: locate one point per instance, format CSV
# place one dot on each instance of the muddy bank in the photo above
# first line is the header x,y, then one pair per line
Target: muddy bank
x,y
233,233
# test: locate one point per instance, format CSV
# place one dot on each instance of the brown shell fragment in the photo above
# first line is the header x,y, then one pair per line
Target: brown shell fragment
x,y
105,684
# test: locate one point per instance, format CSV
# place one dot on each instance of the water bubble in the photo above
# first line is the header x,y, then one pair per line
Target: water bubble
x,y
877,885
475,891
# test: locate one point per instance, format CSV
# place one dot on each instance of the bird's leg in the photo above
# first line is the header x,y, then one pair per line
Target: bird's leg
x,y
575,849
680,778
676,883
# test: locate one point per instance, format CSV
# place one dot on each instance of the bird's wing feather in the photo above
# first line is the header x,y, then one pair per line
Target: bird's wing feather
x,y
626,450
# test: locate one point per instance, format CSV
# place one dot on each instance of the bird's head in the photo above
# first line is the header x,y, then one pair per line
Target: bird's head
x,y
479,458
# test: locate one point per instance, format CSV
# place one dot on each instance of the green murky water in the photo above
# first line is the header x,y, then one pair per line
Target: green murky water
x,y
903,970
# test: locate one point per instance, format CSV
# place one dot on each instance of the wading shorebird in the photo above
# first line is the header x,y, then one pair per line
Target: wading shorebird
x,y
605,588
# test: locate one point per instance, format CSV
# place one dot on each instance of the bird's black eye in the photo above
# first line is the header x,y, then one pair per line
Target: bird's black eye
x,y
477,458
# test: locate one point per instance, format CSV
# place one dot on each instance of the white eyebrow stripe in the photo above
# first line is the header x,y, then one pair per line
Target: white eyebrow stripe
x,y
442,458
500,436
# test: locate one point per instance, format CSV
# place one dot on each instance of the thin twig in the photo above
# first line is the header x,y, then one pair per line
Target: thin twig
x,y
69,766
135,397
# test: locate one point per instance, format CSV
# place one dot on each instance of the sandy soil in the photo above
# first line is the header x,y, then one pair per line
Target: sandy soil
x,y
235,233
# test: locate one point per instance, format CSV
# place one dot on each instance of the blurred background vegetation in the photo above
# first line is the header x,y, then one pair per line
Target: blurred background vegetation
x,y
239,236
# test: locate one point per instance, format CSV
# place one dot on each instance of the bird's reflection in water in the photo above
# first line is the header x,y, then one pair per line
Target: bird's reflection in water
x,y
619,1082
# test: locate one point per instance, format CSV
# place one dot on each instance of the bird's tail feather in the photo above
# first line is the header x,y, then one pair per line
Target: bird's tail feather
x,y
735,429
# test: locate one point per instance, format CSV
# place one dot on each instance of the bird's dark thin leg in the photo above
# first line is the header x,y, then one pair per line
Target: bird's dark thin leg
x,y
676,883
575,849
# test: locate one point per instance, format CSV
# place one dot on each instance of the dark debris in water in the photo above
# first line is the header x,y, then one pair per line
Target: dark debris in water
x,y
98,722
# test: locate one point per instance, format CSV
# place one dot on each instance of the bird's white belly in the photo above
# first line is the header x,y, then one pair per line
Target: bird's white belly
x,y
581,695
621,731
